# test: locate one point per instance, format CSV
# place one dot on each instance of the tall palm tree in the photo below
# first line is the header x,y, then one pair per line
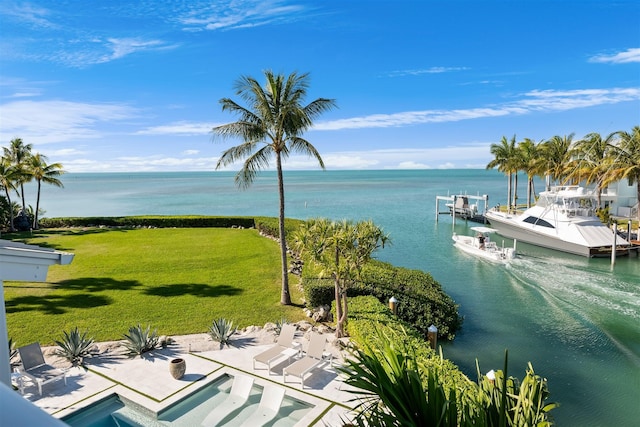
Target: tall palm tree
x,y
505,156
590,160
626,161
18,152
42,172
557,153
530,157
271,126
9,175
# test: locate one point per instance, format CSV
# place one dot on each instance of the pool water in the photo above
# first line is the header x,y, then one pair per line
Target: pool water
x,y
190,411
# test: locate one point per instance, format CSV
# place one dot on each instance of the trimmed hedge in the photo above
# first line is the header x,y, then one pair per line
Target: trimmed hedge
x,y
421,300
270,226
369,319
158,221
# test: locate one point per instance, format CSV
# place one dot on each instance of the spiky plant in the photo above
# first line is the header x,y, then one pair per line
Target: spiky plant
x,y
74,346
279,324
13,352
140,340
221,331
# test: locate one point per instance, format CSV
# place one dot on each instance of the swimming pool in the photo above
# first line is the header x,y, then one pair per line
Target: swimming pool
x,y
190,411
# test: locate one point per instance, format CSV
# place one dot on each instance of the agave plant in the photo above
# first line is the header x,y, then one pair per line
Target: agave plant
x,y
140,340
13,352
74,346
221,331
279,324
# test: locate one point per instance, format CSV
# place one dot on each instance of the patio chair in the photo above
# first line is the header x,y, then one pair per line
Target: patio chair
x,y
310,361
268,408
36,369
240,391
284,347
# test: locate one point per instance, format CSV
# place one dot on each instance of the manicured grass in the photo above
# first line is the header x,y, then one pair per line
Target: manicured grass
x,y
176,280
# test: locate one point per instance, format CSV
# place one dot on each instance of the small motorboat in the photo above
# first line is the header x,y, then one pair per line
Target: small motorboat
x,y
482,246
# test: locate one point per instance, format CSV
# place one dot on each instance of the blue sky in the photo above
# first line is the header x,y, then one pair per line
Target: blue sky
x,y
105,86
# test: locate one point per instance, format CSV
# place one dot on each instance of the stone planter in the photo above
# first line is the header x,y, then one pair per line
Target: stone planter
x,y
177,368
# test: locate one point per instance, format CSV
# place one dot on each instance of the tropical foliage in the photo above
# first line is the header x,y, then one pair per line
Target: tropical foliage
x,y
405,383
221,331
594,159
18,166
341,249
75,346
271,126
140,340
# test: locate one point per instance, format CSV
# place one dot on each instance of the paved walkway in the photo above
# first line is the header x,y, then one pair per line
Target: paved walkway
x,y
147,381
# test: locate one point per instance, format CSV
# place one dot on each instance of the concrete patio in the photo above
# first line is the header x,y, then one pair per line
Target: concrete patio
x,y
147,382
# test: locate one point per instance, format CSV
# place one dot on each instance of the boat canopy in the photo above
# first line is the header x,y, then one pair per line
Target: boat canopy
x,y
484,229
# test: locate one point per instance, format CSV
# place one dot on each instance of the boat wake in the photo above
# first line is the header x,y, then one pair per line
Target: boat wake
x,y
585,308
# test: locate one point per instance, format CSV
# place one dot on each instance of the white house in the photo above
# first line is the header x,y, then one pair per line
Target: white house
x,y
621,198
30,263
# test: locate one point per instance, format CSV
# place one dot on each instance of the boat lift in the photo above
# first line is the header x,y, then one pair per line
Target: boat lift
x,y
458,206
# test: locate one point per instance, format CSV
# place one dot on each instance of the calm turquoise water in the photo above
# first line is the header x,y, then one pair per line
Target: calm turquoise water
x,y
575,319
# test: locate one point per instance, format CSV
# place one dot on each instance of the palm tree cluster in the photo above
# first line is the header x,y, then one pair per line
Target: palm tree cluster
x,y
593,159
18,166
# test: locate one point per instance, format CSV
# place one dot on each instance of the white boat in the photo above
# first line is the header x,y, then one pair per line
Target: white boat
x,y
563,219
482,246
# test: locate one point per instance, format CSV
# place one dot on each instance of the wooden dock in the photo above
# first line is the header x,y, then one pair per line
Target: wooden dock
x,y
458,206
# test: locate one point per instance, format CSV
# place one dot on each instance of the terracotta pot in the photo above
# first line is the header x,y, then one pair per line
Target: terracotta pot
x,y
177,368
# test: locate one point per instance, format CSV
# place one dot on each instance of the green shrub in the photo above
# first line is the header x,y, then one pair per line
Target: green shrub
x,y
383,342
221,331
421,300
139,340
270,226
318,292
74,346
157,221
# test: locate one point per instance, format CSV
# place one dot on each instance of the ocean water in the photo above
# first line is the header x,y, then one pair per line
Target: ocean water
x,y
577,320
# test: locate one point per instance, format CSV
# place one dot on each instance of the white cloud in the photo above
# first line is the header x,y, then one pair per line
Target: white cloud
x,y
629,55
178,128
432,70
63,152
190,152
58,121
239,14
127,46
410,164
29,14
533,101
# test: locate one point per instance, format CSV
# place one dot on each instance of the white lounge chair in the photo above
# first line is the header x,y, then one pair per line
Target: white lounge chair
x,y
240,391
284,347
310,361
268,408
36,369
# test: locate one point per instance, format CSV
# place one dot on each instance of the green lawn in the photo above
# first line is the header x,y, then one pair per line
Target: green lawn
x,y
176,280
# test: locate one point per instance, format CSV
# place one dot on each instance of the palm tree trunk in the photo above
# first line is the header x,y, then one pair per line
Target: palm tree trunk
x,y
24,205
342,320
509,192
339,330
638,199
529,188
35,214
515,191
11,228
285,297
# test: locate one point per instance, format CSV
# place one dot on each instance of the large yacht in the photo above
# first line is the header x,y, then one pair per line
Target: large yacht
x,y
563,219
